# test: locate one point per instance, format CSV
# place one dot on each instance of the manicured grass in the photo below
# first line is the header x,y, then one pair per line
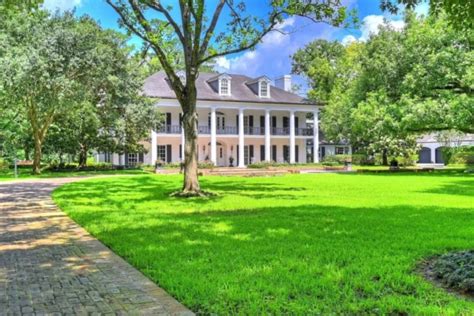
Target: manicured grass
x,y
25,173
298,244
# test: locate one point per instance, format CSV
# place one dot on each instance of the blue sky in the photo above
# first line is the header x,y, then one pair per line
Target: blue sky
x,y
272,56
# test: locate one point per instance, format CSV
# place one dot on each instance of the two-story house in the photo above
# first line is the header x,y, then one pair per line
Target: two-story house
x,y
241,120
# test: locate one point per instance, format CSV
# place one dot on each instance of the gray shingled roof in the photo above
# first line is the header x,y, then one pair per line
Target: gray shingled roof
x,y
157,86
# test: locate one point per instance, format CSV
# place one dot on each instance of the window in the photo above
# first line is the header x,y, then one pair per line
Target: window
x,y
161,153
107,157
224,86
132,159
339,150
264,90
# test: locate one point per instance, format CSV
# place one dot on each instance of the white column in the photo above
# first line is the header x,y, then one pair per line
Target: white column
x,y
316,136
292,137
154,149
433,154
182,143
267,136
241,139
213,136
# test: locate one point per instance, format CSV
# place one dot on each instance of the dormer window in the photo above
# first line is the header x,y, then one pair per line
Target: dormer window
x,y
221,84
224,86
264,89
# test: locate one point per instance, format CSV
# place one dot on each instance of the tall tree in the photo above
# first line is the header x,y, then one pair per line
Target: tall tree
x,y
203,36
460,13
57,65
396,85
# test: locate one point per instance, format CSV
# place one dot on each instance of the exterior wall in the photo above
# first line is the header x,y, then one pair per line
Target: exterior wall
x,y
429,142
227,139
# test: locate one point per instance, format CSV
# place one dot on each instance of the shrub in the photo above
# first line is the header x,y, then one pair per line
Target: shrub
x,y
337,159
94,166
173,165
330,163
464,155
456,270
363,160
263,165
3,164
205,165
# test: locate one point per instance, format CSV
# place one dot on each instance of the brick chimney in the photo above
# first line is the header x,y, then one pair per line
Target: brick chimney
x,y
284,83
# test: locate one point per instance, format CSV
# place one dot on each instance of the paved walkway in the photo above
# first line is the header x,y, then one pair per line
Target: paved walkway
x,y
49,265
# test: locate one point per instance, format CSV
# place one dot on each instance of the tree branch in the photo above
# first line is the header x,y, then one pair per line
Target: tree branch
x,y
211,28
159,7
268,29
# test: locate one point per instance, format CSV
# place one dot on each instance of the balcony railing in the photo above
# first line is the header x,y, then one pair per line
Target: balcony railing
x,y
169,129
232,130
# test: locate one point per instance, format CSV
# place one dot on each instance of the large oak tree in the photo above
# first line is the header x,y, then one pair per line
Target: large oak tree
x,y
205,31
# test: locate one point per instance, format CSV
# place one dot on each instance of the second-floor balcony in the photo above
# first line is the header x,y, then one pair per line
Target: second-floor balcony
x,y
232,130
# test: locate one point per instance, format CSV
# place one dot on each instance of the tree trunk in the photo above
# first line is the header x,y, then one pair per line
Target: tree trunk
x,y
83,157
384,157
37,155
190,125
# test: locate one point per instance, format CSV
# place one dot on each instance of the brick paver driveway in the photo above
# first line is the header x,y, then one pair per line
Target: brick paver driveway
x,y
50,265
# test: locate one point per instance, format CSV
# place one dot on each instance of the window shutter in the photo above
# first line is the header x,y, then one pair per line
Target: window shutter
x,y
140,157
323,152
250,120
237,122
180,151
262,152
168,153
297,155
274,121
297,121
286,122
286,152
126,158
168,118
238,156
274,153
180,120
251,156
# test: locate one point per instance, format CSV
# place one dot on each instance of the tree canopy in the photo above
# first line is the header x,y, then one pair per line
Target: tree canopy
x,y
67,72
382,93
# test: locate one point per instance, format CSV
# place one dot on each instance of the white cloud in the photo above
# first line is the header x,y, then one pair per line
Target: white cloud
x,y
371,25
272,56
348,39
61,5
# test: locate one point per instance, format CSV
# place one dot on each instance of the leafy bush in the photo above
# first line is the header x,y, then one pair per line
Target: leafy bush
x,y
205,165
464,155
363,160
3,164
456,270
330,163
263,165
337,159
93,166
173,165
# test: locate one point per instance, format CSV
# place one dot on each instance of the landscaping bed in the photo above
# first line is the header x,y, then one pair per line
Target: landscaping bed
x,y
453,271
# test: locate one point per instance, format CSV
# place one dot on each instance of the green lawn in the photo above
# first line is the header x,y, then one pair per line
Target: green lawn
x,y
298,244
25,173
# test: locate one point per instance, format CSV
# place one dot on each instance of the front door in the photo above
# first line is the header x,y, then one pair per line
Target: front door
x,y
221,156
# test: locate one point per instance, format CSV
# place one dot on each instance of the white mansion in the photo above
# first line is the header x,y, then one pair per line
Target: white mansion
x,y
242,120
